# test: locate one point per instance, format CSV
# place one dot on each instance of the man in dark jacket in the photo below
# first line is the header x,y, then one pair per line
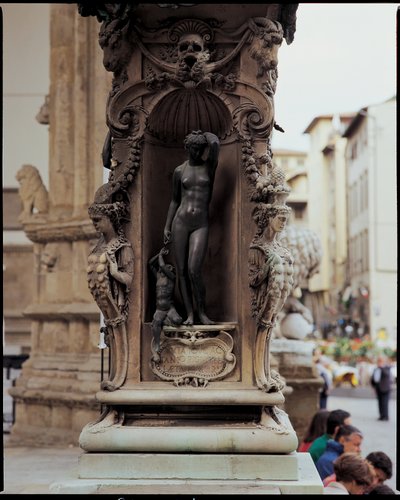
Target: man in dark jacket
x,y
381,381
335,420
348,439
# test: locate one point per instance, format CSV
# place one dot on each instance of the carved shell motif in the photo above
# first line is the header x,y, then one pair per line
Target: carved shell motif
x,y
171,119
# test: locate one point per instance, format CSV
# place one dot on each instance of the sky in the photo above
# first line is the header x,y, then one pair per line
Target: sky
x,y
343,58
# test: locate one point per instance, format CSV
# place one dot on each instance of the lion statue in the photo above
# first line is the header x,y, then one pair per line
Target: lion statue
x,y
296,320
33,193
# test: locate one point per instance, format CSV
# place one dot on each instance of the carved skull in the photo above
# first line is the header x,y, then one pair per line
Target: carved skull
x,y
191,50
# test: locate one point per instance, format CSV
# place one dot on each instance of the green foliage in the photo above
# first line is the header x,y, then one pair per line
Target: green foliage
x,y
354,350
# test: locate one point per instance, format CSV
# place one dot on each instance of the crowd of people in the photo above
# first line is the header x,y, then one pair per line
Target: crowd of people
x,y
334,445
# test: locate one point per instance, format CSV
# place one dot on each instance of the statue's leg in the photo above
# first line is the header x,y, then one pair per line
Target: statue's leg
x,y
180,238
156,327
173,317
197,251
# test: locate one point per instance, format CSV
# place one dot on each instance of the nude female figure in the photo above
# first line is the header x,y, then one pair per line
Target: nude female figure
x,y
187,220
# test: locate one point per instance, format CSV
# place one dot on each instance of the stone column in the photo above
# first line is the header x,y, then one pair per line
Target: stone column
x,y
55,392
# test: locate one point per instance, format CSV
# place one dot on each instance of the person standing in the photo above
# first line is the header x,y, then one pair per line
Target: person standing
x,y
381,381
325,374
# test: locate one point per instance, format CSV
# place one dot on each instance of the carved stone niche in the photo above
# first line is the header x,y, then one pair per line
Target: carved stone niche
x,y
178,70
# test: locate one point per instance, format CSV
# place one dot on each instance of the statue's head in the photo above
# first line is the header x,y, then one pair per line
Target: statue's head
x,y
275,216
104,207
116,213
195,143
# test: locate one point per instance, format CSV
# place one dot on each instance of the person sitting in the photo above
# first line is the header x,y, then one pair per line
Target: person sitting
x,y
316,428
353,476
382,489
348,439
382,468
335,419
382,465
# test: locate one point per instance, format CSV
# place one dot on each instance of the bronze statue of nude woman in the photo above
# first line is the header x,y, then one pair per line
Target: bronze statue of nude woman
x,y
187,224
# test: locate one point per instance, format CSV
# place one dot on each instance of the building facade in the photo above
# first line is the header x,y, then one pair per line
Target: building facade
x,y
372,221
327,211
294,164
26,39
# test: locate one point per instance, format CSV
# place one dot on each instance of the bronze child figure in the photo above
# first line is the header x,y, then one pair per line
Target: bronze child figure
x,y
166,313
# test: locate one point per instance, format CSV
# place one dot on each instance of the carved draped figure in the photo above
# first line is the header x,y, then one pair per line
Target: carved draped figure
x,y
270,279
110,295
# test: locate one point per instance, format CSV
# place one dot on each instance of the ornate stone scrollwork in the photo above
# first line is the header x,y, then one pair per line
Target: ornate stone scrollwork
x,y
250,122
194,355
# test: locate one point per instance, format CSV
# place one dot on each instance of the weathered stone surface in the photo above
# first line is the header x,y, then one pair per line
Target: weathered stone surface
x,y
55,392
308,482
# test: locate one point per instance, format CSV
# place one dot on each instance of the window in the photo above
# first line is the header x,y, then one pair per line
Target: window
x,y
354,150
366,249
355,202
351,258
362,242
298,212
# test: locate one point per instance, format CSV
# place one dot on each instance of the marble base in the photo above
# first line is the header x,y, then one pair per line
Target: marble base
x,y
307,481
187,466
274,434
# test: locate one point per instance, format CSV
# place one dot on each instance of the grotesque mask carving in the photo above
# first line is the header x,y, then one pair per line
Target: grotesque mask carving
x,y
192,57
268,38
191,50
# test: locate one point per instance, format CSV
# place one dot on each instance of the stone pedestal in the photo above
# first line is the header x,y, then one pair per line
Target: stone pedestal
x,y
199,474
209,388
